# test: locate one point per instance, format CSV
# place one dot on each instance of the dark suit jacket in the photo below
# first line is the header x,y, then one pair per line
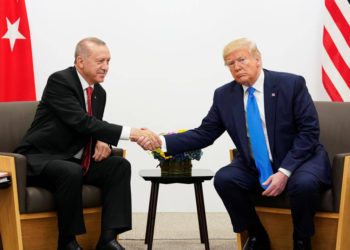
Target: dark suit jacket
x,y
291,122
62,126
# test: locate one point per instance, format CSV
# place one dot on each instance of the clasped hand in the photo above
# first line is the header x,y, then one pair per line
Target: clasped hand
x,y
149,139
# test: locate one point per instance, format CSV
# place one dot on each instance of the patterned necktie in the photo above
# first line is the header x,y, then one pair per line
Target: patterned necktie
x,y
85,163
257,139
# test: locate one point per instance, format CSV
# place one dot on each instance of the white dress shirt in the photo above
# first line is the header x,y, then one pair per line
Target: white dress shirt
x,y
125,135
259,96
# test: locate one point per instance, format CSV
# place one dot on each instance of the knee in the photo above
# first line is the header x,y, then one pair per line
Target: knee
x,y
74,175
126,167
121,166
221,180
303,185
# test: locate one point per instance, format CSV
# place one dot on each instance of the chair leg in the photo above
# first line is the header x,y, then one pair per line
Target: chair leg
x,y
241,239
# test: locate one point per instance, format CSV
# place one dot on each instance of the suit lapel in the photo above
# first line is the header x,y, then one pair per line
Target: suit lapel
x,y
239,117
270,101
78,87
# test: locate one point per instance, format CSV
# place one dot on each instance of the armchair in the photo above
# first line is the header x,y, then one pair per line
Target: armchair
x,y
27,214
332,221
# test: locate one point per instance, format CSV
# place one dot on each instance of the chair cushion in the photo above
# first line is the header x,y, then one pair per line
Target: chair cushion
x,y
282,201
92,196
41,200
16,118
335,136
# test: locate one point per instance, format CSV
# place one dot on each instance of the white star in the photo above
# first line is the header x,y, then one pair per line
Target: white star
x,y
13,33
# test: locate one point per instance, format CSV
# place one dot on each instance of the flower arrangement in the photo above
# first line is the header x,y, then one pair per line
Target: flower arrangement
x,y
179,163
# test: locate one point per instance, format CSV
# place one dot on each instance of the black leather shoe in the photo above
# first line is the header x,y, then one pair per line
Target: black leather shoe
x,y
302,244
112,245
255,243
72,245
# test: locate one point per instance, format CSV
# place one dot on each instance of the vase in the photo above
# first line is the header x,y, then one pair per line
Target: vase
x,y
170,167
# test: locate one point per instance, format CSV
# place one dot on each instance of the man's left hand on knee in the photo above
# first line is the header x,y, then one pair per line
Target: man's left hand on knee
x,y
102,151
277,183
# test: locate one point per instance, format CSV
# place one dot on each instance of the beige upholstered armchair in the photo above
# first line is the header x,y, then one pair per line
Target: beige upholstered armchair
x,y
27,214
332,221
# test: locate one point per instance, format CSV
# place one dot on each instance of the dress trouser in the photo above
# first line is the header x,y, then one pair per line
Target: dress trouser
x,y
65,179
235,185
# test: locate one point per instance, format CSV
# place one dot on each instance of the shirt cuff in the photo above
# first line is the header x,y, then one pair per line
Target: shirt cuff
x,y
163,148
125,135
285,171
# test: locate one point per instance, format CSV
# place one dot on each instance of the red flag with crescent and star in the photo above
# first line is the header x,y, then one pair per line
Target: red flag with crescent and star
x,y
16,62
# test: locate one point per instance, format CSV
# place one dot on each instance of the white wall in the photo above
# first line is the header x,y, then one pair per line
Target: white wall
x,y
166,64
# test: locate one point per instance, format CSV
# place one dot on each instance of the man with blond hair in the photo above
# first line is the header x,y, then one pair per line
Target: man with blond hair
x,y
272,121
68,145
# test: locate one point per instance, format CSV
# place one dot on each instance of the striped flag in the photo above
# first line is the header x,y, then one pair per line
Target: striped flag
x,y
336,50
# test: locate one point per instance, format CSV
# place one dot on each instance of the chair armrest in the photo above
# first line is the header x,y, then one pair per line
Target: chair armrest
x,y
337,178
233,153
21,176
118,152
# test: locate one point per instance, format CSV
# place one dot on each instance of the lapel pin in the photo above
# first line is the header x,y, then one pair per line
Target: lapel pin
x,y
95,97
273,94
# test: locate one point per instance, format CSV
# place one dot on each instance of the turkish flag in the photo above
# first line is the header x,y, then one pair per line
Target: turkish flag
x,y
16,62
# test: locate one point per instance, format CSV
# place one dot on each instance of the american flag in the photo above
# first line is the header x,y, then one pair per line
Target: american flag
x,y
336,50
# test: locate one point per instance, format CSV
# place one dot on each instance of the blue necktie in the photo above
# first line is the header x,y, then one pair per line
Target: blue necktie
x,y
257,139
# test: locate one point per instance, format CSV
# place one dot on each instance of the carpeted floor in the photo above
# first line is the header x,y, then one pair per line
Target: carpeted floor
x,y
179,245
179,231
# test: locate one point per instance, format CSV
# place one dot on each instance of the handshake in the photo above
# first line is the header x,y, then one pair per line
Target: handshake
x,y
146,138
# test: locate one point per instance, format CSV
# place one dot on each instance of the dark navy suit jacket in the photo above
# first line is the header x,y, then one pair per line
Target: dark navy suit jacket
x,y
291,122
